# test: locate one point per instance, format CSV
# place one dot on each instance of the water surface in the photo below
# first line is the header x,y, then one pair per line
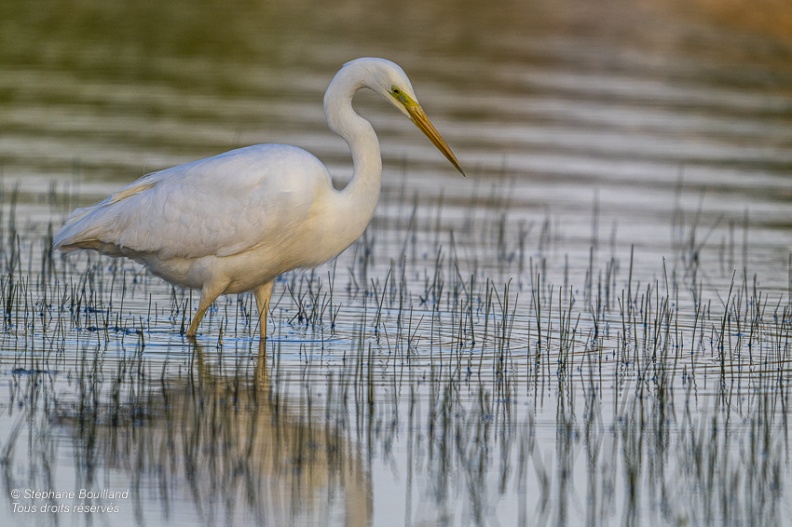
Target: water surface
x,y
592,328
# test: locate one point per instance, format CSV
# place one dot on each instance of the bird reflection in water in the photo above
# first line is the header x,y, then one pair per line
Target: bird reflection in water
x,y
233,448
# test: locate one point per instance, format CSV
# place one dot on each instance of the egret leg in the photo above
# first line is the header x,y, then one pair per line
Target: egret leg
x,y
263,294
208,296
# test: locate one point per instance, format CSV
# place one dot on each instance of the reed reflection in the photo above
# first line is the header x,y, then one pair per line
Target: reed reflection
x,y
232,449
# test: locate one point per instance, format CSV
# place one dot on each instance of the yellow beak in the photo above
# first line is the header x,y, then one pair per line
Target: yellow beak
x,y
419,118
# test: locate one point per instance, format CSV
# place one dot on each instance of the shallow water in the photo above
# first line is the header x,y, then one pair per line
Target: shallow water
x,y
592,328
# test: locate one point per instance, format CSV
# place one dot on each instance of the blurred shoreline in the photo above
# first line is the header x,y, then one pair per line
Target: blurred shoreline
x,y
769,18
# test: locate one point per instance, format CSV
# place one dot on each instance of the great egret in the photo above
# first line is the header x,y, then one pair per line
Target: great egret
x,y
233,222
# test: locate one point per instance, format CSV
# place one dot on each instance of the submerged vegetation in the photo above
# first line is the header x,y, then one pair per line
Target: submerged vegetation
x,y
449,369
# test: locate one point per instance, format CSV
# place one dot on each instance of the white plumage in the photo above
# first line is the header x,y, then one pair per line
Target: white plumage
x,y
234,222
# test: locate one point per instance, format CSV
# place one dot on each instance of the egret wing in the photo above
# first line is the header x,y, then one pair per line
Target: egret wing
x,y
220,206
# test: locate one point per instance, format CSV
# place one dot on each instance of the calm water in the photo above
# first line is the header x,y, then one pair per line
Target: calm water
x,y
592,328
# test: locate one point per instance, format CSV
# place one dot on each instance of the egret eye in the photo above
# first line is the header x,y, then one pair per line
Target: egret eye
x,y
399,94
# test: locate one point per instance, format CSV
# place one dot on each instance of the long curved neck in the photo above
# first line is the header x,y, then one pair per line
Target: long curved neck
x,y
359,199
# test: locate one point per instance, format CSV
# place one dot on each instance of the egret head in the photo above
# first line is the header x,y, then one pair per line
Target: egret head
x,y
389,80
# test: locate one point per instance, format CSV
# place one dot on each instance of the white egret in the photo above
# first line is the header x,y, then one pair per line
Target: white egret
x,y
233,222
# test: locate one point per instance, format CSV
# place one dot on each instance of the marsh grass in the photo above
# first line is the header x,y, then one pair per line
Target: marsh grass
x,y
460,371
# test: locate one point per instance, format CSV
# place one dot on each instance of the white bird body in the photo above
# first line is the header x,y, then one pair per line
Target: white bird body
x,y
185,242
233,222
